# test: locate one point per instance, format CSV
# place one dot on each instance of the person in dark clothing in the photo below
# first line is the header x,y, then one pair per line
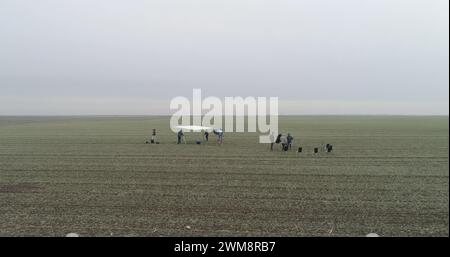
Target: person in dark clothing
x,y
278,139
206,135
283,141
153,139
180,136
289,139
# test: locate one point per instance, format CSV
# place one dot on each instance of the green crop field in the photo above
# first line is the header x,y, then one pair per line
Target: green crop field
x,y
95,176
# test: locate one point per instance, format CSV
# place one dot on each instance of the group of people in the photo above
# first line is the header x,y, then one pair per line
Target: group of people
x,y
217,132
285,141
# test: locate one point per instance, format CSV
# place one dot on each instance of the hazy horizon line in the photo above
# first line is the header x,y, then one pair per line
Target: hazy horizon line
x,y
281,115
143,106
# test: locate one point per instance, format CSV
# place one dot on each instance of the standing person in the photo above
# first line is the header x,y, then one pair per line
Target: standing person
x,y
289,139
153,139
219,134
206,135
181,136
272,140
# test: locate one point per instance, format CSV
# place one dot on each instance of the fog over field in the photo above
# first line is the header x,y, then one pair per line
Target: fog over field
x,y
132,57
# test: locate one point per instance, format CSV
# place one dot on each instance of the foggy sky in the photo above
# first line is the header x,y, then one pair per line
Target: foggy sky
x,y
131,57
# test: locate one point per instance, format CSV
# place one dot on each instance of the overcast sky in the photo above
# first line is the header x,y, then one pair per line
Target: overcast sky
x,y
131,57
